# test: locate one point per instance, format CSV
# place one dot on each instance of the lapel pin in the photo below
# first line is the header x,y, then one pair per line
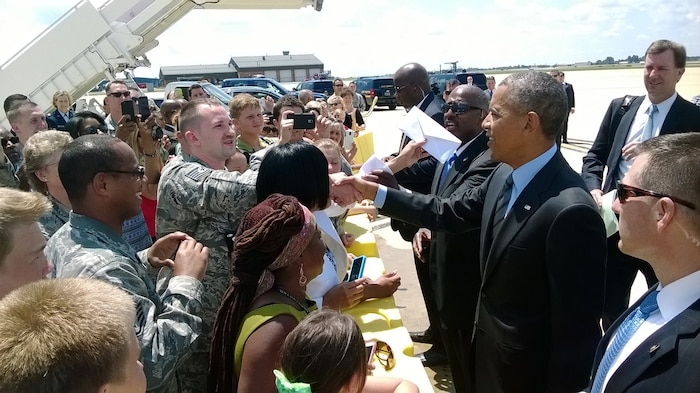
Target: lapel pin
x,y
654,348
527,207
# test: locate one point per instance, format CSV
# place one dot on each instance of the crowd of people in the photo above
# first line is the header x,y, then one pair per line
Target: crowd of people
x,y
188,251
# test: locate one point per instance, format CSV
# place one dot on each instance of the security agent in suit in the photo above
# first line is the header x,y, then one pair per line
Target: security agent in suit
x,y
615,145
542,263
413,89
661,227
453,258
571,103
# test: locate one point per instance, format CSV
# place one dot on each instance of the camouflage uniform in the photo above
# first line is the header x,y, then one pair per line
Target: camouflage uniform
x,y
53,219
166,325
207,204
7,173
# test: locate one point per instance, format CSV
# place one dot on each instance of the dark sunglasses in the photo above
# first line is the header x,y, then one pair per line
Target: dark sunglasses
x,y
457,108
4,141
385,355
338,85
94,130
401,88
140,172
625,192
118,94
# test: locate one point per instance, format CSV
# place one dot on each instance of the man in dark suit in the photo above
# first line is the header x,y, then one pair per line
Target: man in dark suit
x,y
625,124
413,89
542,252
655,345
571,103
453,259
57,119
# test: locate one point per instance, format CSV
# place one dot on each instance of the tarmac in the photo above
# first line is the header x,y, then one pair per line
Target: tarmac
x,y
397,253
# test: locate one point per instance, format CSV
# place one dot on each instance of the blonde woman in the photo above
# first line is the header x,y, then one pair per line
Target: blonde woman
x,y
57,119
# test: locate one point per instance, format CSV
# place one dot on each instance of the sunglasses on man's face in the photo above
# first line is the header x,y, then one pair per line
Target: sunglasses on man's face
x,y
118,94
94,130
385,355
624,192
457,108
338,85
5,141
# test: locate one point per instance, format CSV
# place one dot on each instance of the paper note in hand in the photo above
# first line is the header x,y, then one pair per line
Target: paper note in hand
x,y
418,126
607,213
373,163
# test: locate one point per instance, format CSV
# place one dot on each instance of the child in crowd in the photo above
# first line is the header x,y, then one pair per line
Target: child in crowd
x,y
326,353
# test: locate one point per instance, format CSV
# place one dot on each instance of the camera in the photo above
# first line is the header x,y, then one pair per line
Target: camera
x,y
157,133
303,121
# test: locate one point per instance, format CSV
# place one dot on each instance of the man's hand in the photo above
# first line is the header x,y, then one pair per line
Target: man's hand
x,y
421,242
383,286
286,127
411,153
125,127
163,250
191,259
630,151
383,178
322,127
345,295
597,195
342,191
268,104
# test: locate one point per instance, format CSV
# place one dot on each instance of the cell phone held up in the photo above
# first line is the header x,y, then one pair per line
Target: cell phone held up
x,y
128,109
357,268
348,139
303,121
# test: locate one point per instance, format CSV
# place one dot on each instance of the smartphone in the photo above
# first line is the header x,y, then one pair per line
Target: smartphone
x,y
303,121
348,139
144,108
370,347
358,267
128,109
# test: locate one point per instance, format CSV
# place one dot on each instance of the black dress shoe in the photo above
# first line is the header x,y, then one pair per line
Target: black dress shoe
x,y
433,357
425,337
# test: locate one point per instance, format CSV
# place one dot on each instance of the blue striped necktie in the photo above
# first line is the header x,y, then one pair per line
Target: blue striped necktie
x,y
446,169
624,333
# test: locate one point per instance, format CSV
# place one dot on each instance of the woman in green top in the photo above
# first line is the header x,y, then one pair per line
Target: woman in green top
x,y
277,249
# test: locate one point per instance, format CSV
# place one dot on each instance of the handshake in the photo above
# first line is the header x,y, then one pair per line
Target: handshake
x,y
348,189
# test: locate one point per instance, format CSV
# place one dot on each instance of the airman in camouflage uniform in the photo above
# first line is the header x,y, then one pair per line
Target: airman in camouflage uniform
x,y
198,196
7,173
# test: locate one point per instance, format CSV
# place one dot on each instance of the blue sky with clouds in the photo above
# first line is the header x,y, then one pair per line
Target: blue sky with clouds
x,y
365,37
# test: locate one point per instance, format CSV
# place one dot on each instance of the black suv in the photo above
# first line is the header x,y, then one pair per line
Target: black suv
x,y
383,88
323,86
438,81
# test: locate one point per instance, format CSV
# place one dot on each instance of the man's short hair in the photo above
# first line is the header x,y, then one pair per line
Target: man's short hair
x,y
18,208
38,151
82,159
672,168
452,83
64,335
346,92
555,72
12,100
286,100
679,53
190,117
241,102
540,93
19,109
108,86
196,86
491,78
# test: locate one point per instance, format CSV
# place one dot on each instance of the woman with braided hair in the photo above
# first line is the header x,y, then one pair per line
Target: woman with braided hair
x,y
277,249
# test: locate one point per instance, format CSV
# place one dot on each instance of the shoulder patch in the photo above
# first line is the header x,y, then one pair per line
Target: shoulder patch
x,y
198,173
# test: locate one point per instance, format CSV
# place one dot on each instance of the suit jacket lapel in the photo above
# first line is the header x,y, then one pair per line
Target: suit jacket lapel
x,y
498,179
672,118
436,179
663,341
620,138
527,203
478,145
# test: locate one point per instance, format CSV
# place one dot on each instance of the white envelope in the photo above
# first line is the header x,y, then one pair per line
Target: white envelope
x,y
374,163
606,211
418,126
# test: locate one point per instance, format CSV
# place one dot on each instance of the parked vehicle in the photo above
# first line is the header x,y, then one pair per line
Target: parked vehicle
x,y
182,90
381,87
438,81
257,92
265,83
317,86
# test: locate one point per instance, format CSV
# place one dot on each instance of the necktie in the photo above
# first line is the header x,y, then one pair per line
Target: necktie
x,y
446,169
648,132
502,204
624,332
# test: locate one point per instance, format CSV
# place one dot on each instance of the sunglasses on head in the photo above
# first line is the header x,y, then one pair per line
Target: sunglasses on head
x,y
118,94
624,192
457,108
5,141
385,355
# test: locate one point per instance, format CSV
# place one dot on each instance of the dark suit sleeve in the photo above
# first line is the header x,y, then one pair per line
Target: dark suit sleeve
x,y
595,160
459,213
576,253
419,176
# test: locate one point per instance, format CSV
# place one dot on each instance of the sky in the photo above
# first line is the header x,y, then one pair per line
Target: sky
x,y
369,37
